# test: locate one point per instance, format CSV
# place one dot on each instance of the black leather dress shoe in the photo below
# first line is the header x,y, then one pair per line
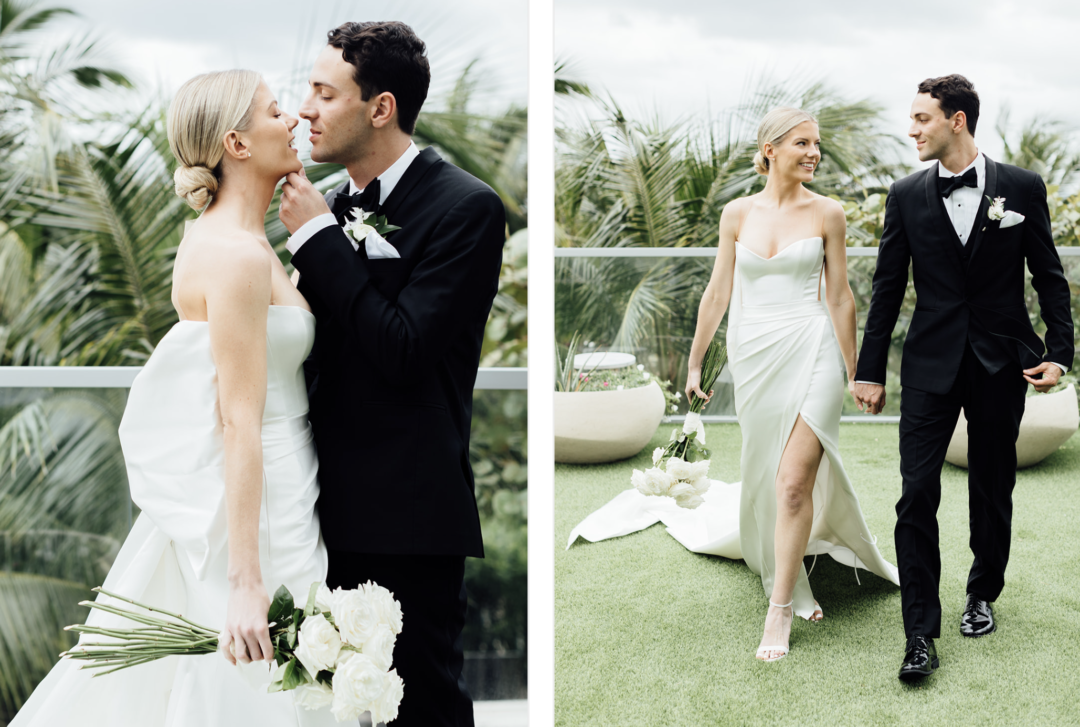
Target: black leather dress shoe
x,y
920,659
978,618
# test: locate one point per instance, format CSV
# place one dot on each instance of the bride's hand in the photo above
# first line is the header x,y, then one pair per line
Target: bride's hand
x,y
246,636
693,385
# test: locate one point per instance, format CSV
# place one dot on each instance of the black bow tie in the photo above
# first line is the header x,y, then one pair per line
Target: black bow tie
x,y
367,200
946,185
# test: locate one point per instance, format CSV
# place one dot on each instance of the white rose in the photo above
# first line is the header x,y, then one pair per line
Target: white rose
x,y
637,479
657,481
681,489
698,470
678,468
380,647
388,610
355,615
358,684
386,708
689,501
641,367
358,230
319,644
324,598
657,454
313,696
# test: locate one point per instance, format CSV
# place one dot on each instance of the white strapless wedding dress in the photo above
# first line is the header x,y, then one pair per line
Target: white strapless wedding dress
x,y
785,361
175,556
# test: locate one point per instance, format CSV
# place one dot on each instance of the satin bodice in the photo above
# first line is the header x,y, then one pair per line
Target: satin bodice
x,y
171,432
791,276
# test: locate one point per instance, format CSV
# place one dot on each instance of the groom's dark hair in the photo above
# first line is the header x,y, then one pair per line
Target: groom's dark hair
x,y
387,57
954,93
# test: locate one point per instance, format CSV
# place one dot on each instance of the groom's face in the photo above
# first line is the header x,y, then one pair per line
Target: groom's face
x,y
931,129
335,110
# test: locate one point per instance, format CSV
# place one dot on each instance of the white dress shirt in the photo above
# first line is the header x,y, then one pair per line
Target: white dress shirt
x,y
387,181
963,206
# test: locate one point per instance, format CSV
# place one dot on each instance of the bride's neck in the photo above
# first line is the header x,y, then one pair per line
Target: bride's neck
x,y
245,201
782,191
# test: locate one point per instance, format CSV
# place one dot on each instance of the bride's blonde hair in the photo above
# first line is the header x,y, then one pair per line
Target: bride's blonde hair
x,y
772,130
205,109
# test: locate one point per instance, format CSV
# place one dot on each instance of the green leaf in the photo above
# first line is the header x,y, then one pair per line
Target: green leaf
x,y
309,609
294,676
281,606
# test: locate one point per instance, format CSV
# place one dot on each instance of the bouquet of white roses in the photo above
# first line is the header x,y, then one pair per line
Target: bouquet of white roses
x,y
336,652
681,469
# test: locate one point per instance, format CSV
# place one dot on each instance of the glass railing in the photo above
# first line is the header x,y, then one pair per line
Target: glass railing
x,y
65,510
644,301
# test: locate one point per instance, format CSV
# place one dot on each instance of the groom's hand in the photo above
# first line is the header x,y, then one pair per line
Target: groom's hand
x,y
871,397
300,202
1050,375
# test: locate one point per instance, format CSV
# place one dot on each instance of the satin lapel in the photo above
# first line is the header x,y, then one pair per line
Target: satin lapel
x,y
939,217
416,171
982,222
340,189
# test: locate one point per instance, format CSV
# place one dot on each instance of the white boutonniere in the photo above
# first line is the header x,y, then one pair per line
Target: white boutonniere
x,y
364,223
998,212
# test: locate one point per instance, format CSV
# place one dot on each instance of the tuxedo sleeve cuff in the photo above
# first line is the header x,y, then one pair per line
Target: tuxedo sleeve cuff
x,y
308,230
868,382
1064,369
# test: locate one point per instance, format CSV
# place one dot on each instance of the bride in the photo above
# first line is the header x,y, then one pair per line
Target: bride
x,y
786,359
775,248
215,436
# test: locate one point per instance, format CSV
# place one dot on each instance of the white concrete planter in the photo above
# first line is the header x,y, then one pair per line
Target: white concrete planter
x,y
1049,420
605,426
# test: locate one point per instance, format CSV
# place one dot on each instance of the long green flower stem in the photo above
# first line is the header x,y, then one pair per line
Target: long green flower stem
x,y
159,638
711,365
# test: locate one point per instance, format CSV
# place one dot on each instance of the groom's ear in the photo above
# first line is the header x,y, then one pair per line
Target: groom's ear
x,y
959,122
383,110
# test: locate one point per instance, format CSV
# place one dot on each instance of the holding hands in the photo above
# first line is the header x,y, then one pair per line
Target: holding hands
x,y
870,397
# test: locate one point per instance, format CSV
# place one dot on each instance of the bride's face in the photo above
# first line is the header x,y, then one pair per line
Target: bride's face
x,y
797,155
269,137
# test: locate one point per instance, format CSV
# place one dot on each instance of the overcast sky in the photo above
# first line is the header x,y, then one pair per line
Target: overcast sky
x,y
679,58
162,44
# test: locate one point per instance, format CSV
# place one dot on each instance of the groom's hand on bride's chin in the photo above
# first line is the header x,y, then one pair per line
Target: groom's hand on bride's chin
x,y
300,202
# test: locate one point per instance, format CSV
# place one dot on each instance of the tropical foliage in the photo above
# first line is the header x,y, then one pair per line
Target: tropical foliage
x,y
89,225
624,183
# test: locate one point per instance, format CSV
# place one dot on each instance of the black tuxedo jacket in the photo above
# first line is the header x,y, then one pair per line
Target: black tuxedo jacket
x,y
966,293
391,374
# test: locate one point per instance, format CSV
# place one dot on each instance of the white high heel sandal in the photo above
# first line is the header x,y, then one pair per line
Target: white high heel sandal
x,y
762,650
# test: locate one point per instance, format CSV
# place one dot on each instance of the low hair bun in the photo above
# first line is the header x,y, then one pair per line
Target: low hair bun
x,y
761,164
195,184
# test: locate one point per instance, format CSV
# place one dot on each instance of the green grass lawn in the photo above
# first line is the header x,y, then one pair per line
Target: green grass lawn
x,y
647,633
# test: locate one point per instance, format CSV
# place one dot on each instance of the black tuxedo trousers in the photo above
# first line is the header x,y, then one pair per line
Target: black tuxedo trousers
x,y
993,405
428,654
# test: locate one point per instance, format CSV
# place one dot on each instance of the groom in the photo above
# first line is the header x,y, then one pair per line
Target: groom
x,y
967,225
400,321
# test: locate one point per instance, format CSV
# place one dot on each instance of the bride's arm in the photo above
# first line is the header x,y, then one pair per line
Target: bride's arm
x,y
237,305
838,296
714,301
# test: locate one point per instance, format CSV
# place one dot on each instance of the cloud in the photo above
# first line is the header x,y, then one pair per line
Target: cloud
x,y
683,58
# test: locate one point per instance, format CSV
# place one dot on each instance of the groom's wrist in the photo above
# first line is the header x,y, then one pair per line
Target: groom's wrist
x,y
308,230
